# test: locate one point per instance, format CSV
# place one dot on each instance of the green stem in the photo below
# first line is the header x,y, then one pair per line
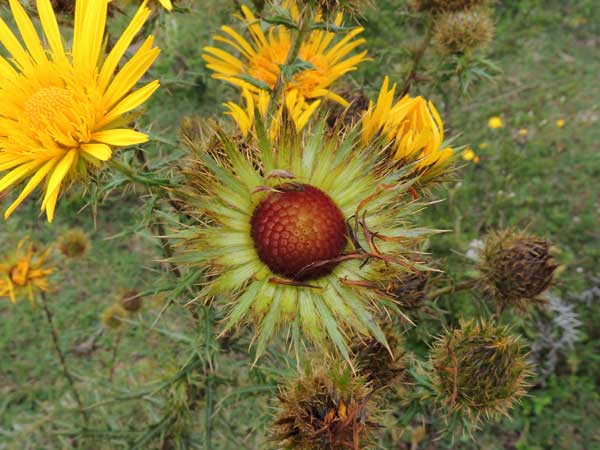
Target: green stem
x,y
61,357
452,288
304,24
417,57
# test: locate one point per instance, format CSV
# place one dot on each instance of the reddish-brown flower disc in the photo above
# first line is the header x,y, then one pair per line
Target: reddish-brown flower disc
x,y
295,229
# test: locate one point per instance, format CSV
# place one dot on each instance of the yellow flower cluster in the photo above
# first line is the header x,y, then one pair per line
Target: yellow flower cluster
x,y
257,69
411,126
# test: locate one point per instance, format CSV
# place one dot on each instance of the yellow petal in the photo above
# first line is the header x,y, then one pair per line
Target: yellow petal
x,y
58,175
120,137
35,180
17,174
117,52
129,103
166,4
28,33
51,30
102,152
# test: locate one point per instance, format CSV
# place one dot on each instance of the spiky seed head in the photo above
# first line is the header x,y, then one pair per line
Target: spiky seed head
x,y
479,370
380,365
131,300
463,31
111,317
74,243
443,6
296,229
409,289
516,267
332,7
326,408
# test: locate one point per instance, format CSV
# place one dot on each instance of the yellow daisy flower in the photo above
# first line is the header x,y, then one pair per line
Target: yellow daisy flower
x,y
495,122
24,272
560,123
412,126
61,110
257,68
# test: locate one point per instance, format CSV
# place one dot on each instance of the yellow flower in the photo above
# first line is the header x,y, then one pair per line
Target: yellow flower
x,y
483,145
523,132
61,110
495,122
24,272
412,126
257,68
560,123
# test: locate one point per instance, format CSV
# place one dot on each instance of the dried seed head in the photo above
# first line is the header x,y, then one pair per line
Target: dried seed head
x,y
111,316
332,7
463,31
409,289
131,300
381,367
327,408
74,243
516,267
479,370
441,6
63,6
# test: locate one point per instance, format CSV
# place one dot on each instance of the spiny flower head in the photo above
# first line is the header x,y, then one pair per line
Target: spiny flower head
x,y
74,243
61,113
24,272
413,130
111,317
479,370
325,408
380,365
298,234
257,68
517,267
444,6
333,7
463,31
409,288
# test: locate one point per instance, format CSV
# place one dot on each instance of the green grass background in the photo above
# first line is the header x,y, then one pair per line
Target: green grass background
x,y
548,51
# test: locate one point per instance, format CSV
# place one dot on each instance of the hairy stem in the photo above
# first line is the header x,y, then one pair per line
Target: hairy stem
x,y
417,58
61,357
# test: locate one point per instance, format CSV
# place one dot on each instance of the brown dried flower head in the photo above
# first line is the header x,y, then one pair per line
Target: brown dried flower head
x,y
326,408
516,267
443,6
74,243
463,31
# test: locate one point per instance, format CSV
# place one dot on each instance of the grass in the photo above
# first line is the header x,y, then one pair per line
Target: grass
x,y
548,183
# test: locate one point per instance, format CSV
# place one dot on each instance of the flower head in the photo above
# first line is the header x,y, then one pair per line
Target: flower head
x,y
463,31
495,122
74,243
24,272
299,235
61,112
411,127
445,6
257,68
111,317
516,267
560,123
325,408
470,155
479,370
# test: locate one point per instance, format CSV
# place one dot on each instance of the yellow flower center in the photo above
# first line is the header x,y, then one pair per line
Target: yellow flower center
x,y
19,273
47,104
